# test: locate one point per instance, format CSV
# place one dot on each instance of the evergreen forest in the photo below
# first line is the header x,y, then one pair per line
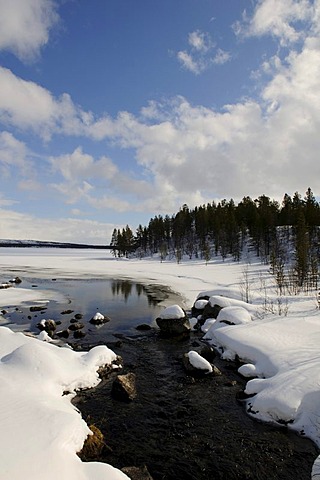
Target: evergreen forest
x,y
286,235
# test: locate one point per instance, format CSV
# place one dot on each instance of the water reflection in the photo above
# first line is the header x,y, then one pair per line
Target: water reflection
x,y
123,288
127,303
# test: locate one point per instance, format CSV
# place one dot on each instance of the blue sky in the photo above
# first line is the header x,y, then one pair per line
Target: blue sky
x,y
113,111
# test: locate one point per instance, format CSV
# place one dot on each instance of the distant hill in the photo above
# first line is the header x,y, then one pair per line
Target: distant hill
x,y
41,244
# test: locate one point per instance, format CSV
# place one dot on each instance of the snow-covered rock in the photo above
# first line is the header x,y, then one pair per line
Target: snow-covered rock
x,y
173,312
234,315
99,319
173,321
195,363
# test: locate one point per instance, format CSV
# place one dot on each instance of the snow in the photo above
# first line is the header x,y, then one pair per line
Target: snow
x,y
173,312
197,361
200,304
41,430
235,315
280,355
98,316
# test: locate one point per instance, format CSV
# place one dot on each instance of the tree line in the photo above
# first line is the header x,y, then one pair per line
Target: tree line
x,y
284,234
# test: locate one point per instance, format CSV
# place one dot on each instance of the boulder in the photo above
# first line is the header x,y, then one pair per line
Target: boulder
x,y
48,325
124,387
37,308
143,326
76,326
198,306
78,334
93,445
173,321
195,364
208,353
16,280
210,311
63,333
99,319
137,473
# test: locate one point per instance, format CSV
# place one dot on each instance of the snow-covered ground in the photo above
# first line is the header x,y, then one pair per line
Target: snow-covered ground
x,y
41,430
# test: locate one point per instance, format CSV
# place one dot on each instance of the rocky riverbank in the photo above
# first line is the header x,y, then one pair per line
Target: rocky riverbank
x,y
188,428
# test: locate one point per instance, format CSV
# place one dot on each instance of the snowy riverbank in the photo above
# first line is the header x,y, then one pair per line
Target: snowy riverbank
x,y
281,350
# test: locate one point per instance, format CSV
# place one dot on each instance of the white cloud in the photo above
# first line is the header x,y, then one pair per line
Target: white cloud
x,y
79,165
188,153
189,63
200,41
221,57
12,151
15,225
28,106
282,19
201,54
25,26
15,159
6,202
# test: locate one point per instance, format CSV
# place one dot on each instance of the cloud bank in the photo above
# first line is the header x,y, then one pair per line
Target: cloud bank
x,y
184,153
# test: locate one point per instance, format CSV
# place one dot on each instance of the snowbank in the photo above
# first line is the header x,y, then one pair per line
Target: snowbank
x,y
284,354
41,430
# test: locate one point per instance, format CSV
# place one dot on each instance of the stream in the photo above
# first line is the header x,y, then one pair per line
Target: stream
x,y
180,427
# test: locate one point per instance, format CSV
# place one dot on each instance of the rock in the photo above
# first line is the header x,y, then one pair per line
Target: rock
x,y
48,325
76,326
124,387
37,308
78,334
136,473
195,364
63,333
5,285
210,311
198,307
208,353
16,280
173,321
105,370
99,319
67,312
78,316
93,445
143,326
4,312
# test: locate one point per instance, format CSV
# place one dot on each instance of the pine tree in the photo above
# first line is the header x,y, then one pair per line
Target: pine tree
x,y
301,250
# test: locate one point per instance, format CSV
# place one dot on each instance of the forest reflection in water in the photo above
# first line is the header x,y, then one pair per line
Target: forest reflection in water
x,y
125,302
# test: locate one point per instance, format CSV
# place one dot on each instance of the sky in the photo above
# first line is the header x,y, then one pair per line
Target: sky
x,y
113,111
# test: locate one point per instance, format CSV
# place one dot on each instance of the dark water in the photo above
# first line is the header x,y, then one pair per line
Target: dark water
x,y
189,429
127,304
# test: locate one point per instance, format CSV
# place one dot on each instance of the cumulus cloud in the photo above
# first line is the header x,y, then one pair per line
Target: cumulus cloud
x,y
280,19
190,153
25,26
29,106
79,165
99,182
